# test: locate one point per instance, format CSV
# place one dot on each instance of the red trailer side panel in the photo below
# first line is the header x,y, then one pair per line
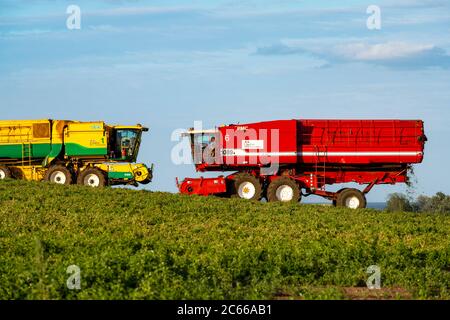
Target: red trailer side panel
x,y
360,141
350,142
335,143
260,143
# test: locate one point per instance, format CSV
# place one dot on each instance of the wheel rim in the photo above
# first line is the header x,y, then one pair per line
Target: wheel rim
x,y
92,180
285,193
58,177
352,202
2,174
246,190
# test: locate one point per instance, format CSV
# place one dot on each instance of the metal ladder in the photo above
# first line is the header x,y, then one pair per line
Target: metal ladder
x,y
320,166
26,154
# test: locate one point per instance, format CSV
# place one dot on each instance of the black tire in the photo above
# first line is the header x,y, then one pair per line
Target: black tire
x,y
274,190
351,198
338,192
245,183
92,177
58,174
5,173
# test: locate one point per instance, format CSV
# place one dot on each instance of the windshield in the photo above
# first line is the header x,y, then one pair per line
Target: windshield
x,y
125,144
203,147
203,140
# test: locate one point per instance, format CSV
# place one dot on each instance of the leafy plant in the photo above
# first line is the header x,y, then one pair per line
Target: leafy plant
x,y
439,203
151,245
398,202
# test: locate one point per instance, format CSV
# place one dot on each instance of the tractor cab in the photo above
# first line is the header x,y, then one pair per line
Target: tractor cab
x,y
125,142
203,144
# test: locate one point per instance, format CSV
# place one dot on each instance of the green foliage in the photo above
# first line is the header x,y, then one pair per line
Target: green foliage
x,y
439,203
143,245
398,202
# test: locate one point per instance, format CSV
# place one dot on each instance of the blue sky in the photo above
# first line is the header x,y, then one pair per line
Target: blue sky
x,y
168,63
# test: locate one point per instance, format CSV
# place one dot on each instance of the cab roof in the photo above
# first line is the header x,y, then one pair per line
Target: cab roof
x,y
136,127
193,131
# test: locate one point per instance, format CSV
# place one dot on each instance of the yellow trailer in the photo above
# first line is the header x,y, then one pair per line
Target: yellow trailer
x,y
66,152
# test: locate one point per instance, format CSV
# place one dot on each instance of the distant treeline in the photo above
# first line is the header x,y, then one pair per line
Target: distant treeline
x,y
439,203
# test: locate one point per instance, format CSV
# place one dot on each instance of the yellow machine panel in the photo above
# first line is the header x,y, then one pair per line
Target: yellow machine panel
x,y
66,152
27,131
87,139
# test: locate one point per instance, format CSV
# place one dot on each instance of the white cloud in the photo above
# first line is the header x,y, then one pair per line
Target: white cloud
x,y
139,10
415,3
104,28
28,32
394,54
381,51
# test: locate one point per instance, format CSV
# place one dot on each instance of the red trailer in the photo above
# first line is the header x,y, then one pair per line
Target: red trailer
x,y
284,159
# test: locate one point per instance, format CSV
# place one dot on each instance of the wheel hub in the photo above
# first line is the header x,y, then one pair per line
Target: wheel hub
x,y
58,177
352,202
92,180
2,174
285,193
246,190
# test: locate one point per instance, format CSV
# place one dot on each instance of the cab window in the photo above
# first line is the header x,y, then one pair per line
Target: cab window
x,y
199,143
124,144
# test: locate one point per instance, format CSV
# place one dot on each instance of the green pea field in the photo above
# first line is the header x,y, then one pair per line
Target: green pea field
x,y
130,244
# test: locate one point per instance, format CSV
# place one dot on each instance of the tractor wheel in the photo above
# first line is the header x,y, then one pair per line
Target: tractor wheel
x,y
351,198
283,189
338,192
92,178
5,173
246,186
58,174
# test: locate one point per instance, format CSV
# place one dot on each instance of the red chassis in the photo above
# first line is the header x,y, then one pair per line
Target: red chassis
x,y
310,181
